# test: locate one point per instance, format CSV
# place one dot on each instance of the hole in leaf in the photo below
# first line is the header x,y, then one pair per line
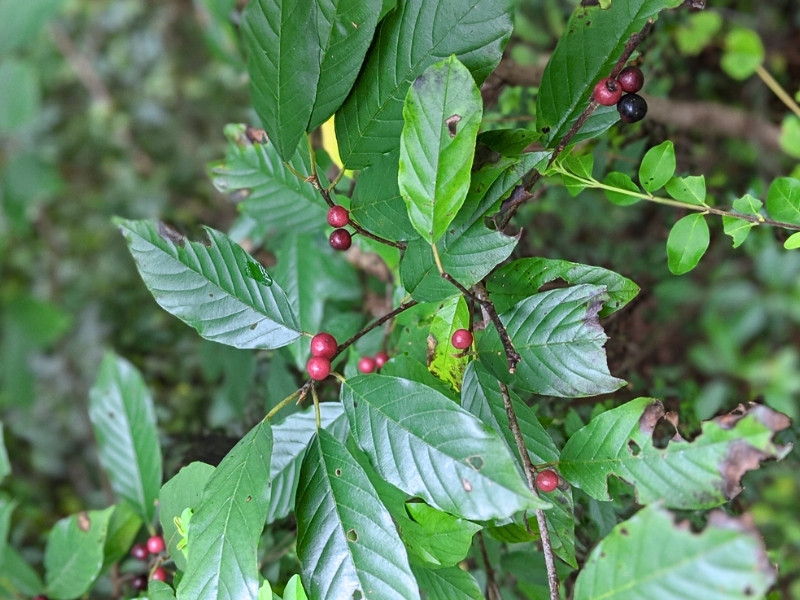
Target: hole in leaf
x,y
355,404
633,448
452,121
357,595
663,433
351,535
748,591
338,472
476,462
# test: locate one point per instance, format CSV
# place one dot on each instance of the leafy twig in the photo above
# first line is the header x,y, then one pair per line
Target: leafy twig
x,y
530,475
344,345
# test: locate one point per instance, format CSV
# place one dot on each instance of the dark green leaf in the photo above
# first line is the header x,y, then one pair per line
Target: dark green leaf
x,y
687,242
516,281
74,554
406,367
415,35
691,475
16,575
274,197
622,181
124,421
5,464
377,204
21,107
447,363
184,490
7,506
224,531
19,22
447,584
658,166
441,113
291,438
122,529
748,205
422,442
158,590
508,142
738,229
592,43
219,289
304,58
481,396
446,539
346,542
688,189
726,561
559,337
783,200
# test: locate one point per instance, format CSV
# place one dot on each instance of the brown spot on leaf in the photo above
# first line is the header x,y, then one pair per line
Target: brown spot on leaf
x,y
593,308
744,524
451,122
239,195
84,522
256,136
467,485
624,531
169,234
730,420
650,417
431,352
741,457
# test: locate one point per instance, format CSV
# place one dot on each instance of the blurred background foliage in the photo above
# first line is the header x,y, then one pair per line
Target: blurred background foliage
x,y
116,107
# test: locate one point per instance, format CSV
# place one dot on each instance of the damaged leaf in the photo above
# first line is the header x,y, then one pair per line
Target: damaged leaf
x,y
703,473
725,561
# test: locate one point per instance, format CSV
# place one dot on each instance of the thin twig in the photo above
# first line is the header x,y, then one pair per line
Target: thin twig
x,y
530,475
492,591
512,356
344,345
301,393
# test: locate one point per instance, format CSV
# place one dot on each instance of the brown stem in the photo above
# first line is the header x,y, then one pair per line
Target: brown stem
x,y
326,195
512,356
344,345
492,591
530,475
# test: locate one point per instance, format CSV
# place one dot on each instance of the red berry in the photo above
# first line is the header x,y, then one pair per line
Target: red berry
x,y
381,358
160,574
366,364
139,583
318,368
607,92
156,544
547,480
140,551
632,108
341,239
324,345
338,216
462,339
631,79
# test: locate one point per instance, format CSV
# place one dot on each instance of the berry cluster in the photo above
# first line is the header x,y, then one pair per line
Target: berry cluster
x,y
367,364
631,106
155,545
323,349
339,216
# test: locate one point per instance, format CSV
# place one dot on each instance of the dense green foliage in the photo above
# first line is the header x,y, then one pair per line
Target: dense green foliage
x,y
631,289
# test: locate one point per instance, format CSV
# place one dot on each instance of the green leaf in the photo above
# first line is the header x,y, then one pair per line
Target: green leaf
x,y
225,530
377,204
124,422
508,142
370,121
122,529
744,52
560,340
21,107
621,181
657,167
158,590
278,200
790,136
690,475
304,58
697,31
747,205
592,42
446,538
184,490
688,189
738,229
792,242
516,281
447,584
447,363
783,200
346,542
406,367
18,574
219,289
726,561
442,113
7,506
294,589
291,438
5,464
74,554
481,396
687,242
19,23
422,442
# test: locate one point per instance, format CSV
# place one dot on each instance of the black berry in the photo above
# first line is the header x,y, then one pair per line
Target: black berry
x,y
607,92
139,582
318,368
341,239
338,216
547,480
631,79
140,551
324,345
632,108
462,339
